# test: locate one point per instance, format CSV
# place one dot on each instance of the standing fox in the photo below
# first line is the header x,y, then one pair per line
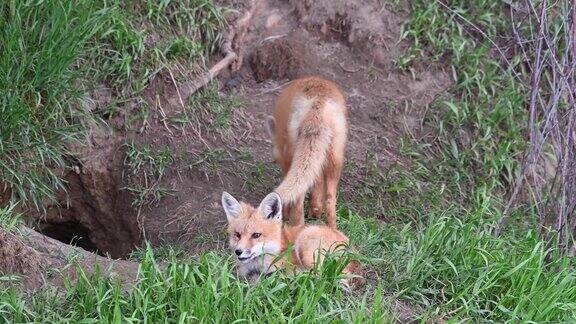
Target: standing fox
x,y
309,131
257,237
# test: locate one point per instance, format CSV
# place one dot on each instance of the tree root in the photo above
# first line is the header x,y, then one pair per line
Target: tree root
x,y
231,48
34,260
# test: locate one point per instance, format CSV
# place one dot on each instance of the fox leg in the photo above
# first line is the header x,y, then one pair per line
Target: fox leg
x,y
332,174
317,198
295,213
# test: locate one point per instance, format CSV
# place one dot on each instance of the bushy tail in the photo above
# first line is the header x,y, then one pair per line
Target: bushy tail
x,y
308,162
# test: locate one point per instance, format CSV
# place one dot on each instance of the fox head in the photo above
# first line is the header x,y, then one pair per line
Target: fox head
x,y
254,231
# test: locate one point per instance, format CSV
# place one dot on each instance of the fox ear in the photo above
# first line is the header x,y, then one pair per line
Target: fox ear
x,y
271,207
270,126
231,206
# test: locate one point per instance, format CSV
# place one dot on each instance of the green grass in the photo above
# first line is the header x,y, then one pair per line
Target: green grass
x,y
469,274
479,121
41,108
182,47
199,20
205,290
212,109
52,53
143,159
148,194
208,110
437,249
175,30
391,193
9,218
453,267
147,169
209,161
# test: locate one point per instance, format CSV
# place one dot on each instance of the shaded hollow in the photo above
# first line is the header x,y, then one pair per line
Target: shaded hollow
x,y
95,213
70,233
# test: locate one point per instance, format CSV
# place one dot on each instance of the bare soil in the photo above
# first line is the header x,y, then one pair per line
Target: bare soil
x,y
354,45
276,60
39,260
288,40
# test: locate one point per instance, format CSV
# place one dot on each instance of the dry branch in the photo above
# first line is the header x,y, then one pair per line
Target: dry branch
x,y
547,39
231,48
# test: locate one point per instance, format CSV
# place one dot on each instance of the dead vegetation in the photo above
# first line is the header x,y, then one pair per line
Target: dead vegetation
x,y
547,43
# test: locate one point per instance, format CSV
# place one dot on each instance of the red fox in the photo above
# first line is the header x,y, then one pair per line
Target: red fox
x,y
257,237
309,131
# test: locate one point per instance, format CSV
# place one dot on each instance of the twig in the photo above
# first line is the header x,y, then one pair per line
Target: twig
x,y
273,37
531,155
552,120
163,114
231,48
176,87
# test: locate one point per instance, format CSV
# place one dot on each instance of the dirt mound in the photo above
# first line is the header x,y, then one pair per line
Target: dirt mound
x,y
369,27
276,59
286,39
38,260
17,258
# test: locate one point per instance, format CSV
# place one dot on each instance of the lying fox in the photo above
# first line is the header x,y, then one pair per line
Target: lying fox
x,y
309,131
257,237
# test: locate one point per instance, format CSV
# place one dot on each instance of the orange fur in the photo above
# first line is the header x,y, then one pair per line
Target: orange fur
x,y
274,238
309,135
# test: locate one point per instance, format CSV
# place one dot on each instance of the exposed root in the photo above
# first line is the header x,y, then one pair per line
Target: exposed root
x,y
39,259
231,48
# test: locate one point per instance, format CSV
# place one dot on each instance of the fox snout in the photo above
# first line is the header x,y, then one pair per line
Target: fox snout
x,y
243,255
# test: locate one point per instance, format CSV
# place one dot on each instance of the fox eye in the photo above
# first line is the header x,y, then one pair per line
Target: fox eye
x,y
256,235
237,235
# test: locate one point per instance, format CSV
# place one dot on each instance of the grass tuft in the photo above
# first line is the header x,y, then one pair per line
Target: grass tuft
x,y
202,291
453,267
9,219
41,107
148,168
479,121
52,53
211,108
